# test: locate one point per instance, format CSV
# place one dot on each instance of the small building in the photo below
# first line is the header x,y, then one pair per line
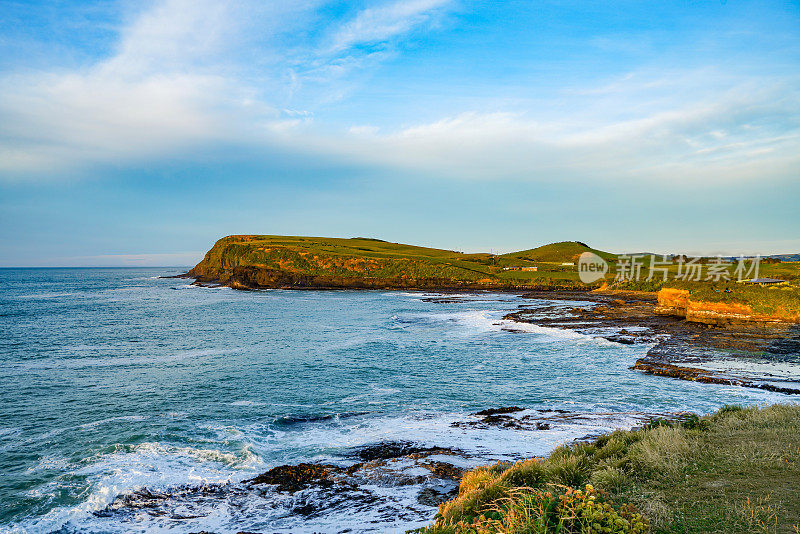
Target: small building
x,y
517,268
763,281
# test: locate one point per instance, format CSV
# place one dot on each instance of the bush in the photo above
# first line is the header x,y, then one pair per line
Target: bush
x,y
569,470
730,408
611,479
691,421
560,509
660,449
527,473
674,472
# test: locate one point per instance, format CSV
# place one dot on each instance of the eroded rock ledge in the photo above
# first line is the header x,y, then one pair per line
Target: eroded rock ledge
x,y
682,348
678,302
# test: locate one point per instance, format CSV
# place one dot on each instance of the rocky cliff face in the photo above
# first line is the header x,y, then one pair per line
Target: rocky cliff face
x,y
679,302
254,262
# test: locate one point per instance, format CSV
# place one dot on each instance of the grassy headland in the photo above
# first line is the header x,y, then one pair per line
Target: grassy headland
x,y
737,470
256,261
270,261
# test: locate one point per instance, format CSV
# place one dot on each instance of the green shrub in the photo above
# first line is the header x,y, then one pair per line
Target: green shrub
x,y
677,474
527,473
557,510
570,470
611,479
613,446
730,408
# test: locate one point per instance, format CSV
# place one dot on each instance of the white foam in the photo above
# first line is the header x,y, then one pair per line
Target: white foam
x,y
554,334
247,403
95,424
473,322
435,429
147,465
782,373
160,466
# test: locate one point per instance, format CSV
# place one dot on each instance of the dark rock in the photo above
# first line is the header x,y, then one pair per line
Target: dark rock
x,y
433,497
292,478
444,470
396,449
528,422
620,339
677,343
496,411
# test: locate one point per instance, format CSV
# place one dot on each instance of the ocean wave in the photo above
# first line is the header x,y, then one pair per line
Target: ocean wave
x,y
117,361
473,322
247,403
196,488
53,295
146,465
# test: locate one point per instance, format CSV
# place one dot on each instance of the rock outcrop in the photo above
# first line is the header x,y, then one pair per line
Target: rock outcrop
x,y
679,302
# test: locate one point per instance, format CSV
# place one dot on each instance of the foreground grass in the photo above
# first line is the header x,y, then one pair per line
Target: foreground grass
x,y
737,470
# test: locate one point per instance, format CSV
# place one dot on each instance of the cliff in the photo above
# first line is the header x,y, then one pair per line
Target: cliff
x,y
737,305
267,261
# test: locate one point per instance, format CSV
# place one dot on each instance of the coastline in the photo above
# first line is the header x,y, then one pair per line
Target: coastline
x,y
428,476
679,339
380,478
681,349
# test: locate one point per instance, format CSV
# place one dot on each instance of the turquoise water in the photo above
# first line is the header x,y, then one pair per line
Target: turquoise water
x,y
114,379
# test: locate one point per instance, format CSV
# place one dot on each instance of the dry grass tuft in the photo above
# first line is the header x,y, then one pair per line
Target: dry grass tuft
x,y
737,470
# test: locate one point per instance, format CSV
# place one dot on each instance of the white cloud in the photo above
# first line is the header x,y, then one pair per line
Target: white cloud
x,y
379,24
156,95
718,133
172,34
175,83
68,119
735,135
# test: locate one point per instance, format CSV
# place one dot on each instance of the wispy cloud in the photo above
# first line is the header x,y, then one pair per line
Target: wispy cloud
x,y
719,135
179,81
380,24
157,93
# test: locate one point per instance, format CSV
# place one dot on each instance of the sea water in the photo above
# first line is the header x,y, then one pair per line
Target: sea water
x,y
115,380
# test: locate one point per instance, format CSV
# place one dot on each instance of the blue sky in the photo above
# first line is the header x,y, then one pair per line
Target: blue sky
x,y
137,133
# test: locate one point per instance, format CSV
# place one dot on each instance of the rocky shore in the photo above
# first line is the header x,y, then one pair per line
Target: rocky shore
x,y
682,348
383,480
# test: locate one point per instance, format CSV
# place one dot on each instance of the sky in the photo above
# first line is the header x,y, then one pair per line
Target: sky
x,y
139,132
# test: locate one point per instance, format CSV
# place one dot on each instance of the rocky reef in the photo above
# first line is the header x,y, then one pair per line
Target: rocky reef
x,y
382,482
703,350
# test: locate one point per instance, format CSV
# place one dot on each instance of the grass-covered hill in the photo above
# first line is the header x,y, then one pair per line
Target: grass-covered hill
x,y
270,261
264,261
735,471
563,252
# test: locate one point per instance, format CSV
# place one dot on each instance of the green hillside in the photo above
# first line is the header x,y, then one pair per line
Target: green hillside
x,y
254,261
565,251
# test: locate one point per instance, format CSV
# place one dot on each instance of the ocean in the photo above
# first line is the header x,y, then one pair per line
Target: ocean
x,y
134,403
